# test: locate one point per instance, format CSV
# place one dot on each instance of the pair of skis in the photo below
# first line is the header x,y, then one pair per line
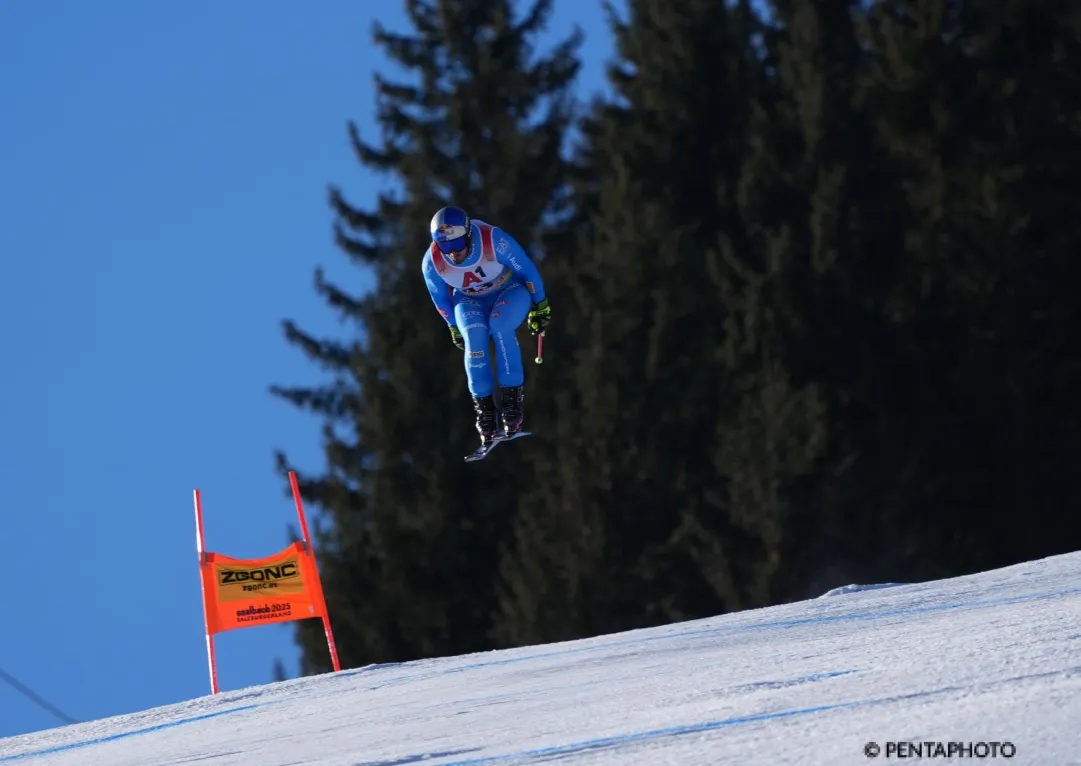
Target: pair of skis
x,y
482,451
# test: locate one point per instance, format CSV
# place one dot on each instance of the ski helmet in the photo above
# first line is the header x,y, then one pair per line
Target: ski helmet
x,y
451,230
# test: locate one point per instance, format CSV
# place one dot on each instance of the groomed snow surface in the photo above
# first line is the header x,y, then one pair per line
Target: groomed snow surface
x,y
979,660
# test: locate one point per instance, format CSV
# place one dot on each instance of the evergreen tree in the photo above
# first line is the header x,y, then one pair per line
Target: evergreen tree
x,y
623,532
410,539
977,103
815,201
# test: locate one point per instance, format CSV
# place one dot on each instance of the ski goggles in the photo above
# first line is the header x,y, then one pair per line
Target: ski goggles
x,y
451,238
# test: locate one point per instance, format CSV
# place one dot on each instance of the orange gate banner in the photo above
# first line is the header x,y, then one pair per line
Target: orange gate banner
x,y
246,592
242,593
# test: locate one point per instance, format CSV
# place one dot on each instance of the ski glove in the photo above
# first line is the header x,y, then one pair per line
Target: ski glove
x,y
456,336
539,317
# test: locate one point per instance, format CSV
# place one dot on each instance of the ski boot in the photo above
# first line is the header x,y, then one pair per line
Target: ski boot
x,y
487,426
513,401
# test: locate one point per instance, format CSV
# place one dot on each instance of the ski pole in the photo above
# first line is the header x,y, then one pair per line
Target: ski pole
x,y
540,348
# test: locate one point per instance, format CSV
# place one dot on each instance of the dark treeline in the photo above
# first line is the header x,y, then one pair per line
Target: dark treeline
x,y
814,281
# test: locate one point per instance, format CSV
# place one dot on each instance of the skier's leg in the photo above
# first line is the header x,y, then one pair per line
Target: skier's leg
x,y
471,317
509,311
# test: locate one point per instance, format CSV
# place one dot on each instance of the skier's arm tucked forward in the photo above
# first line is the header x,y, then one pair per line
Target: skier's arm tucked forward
x,y
513,256
441,297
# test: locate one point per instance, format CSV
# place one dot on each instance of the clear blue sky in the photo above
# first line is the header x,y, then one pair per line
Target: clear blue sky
x,y
163,173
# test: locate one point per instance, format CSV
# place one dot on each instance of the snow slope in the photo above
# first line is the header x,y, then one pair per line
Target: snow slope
x,y
992,658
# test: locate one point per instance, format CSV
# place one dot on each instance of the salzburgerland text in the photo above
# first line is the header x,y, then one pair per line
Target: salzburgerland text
x,y
940,749
265,612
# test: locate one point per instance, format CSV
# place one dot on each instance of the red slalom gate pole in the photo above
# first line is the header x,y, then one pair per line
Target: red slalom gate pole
x,y
199,546
311,552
